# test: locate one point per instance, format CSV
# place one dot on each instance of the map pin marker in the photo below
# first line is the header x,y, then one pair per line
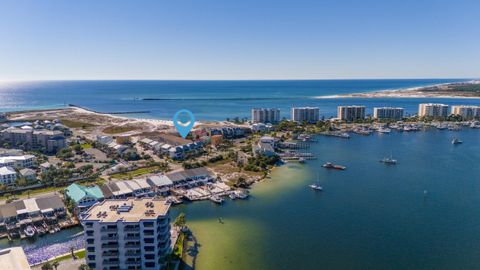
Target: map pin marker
x,y
183,125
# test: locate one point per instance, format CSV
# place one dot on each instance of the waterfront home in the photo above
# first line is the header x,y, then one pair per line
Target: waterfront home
x,y
190,178
18,162
265,146
127,234
28,174
13,258
116,190
139,187
160,183
83,197
15,216
8,176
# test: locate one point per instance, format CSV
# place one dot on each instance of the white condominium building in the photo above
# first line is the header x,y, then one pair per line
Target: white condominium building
x,y
350,113
127,234
305,114
8,175
432,110
266,115
18,162
466,112
388,113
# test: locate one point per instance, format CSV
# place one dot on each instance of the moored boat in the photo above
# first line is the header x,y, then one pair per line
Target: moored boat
x,y
456,141
330,165
241,194
216,199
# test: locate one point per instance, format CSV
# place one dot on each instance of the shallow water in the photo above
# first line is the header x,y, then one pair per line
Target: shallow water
x,y
371,216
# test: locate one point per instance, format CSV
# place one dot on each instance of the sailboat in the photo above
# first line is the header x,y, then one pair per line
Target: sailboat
x,y
316,186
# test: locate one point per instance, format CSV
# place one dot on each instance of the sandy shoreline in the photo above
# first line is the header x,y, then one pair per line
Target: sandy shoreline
x,y
414,92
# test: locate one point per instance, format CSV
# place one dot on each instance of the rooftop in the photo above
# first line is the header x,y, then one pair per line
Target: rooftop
x,y
78,192
127,210
13,259
7,170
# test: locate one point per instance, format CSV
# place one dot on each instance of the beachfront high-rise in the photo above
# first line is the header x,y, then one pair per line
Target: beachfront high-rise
x,y
435,110
265,115
127,234
305,114
466,112
393,113
350,113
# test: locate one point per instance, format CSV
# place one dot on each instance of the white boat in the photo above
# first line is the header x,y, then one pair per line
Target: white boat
x,y
232,196
29,231
315,187
389,160
456,141
216,199
384,130
241,194
301,160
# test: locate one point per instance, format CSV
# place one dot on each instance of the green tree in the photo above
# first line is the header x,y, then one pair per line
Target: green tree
x,y
47,266
180,221
83,267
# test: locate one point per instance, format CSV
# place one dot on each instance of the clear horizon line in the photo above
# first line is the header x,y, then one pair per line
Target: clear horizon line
x,y
266,79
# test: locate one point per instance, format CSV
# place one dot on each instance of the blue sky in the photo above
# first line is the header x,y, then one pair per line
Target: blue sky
x,y
243,39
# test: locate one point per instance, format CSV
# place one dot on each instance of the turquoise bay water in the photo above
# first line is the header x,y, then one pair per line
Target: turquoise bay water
x,y
371,216
208,100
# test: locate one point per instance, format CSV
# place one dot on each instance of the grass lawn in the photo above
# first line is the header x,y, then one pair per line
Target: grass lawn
x,y
33,192
134,173
80,255
76,124
86,145
118,129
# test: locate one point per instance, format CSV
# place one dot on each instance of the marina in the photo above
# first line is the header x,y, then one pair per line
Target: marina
x,y
379,201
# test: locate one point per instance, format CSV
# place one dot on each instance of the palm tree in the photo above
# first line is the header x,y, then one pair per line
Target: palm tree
x,y
55,264
47,266
180,221
83,267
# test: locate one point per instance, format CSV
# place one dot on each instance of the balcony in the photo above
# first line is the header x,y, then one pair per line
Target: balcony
x,y
132,238
108,230
126,229
109,246
133,262
105,262
109,238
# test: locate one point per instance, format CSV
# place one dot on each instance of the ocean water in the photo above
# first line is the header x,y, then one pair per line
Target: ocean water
x,y
370,216
208,100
